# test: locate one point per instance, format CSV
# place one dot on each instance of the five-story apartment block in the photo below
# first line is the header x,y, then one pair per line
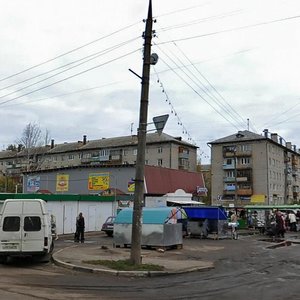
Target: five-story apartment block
x,y
248,168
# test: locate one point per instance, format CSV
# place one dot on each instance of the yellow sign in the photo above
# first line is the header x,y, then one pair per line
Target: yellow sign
x,y
257,199
62,183
131,186
98,181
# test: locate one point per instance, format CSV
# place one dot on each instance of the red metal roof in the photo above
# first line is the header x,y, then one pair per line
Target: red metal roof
x,y
161,181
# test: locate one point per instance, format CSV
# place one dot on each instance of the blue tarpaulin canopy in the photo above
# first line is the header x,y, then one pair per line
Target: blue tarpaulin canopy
x,y
205,212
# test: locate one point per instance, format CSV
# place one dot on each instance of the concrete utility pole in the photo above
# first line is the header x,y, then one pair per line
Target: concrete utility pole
x,y
135,255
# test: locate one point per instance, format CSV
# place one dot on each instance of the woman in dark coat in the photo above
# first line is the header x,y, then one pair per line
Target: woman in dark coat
x,y
79,236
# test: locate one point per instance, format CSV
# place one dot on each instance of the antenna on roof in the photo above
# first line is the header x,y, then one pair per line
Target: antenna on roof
x,y
131,128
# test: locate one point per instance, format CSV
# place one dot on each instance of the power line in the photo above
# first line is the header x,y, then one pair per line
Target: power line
x,y
90,57
231,30
202,97
188,84
180,10
70,51
197,21
219,103
72,76
63,95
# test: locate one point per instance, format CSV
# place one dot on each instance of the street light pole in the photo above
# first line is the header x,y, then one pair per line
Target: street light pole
x,y
136,234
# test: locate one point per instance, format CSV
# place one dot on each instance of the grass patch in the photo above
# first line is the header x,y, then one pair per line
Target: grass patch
x,y
124,265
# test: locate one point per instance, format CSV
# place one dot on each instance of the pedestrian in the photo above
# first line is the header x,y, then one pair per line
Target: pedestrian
x,y
280,224
292,221
79,235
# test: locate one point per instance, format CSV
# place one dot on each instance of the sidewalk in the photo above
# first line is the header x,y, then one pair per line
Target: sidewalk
x,y
196,254
173,261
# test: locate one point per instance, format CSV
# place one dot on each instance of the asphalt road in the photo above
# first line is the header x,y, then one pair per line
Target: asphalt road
x,y
244,269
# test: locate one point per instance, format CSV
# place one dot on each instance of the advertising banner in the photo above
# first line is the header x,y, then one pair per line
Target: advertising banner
x,y
98,181
33,183
131,186
62,183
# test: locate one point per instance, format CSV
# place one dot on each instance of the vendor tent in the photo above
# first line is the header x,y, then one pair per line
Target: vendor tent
x,y
203,220
159,227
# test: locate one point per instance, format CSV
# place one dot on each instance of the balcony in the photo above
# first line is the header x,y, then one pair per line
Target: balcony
x,y
240,192
88,160
244,192
183,155
229,179
228,167
244,166
245,153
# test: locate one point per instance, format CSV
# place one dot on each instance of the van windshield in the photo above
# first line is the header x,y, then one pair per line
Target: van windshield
x,y
32,223
11,224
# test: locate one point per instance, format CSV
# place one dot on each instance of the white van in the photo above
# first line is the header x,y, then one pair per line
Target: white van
x,y
25,229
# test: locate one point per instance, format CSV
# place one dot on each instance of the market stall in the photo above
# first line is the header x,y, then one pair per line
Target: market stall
x,y
203,220
160,227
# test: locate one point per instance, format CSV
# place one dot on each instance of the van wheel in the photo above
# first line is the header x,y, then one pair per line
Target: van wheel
x,y
44,258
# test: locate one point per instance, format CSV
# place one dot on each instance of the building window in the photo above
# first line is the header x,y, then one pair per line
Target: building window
x,y
87,155
159,162
62,158
134,152
245,161
230,174
245,147
146,162
228,161
125,152
159,150
80,155
71,156
103,152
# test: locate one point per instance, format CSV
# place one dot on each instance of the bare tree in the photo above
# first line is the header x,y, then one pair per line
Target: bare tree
x,y
31,137
34,144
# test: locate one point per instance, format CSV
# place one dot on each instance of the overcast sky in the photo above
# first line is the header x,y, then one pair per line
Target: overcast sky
x,y
223,66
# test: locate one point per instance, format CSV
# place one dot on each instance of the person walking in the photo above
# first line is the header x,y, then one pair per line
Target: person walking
x,y
280,224
79,236
292,221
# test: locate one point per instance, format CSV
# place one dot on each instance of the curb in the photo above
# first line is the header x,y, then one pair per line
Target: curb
x,y
71,266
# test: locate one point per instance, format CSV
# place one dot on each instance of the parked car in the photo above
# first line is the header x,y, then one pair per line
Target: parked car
x,y
108,226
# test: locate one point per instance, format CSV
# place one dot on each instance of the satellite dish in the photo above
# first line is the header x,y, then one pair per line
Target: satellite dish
x,y
153,59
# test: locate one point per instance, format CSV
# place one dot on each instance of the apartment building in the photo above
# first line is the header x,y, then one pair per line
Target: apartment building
x,y
252,168
161,150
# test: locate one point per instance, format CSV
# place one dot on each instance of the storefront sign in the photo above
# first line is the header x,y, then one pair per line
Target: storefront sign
x,y
98,181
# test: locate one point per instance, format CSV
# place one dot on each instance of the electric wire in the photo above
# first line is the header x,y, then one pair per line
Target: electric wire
x,y
197,93
179,120
232,112
197,21
69,77
207,91
65,94
181,10
173,110
87,59
232,29
70,51
280,115
197,84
